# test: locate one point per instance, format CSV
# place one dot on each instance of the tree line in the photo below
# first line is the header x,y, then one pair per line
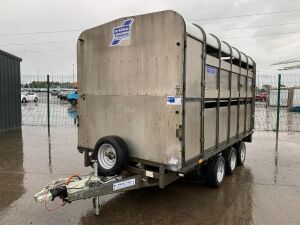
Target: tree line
x,y
43,84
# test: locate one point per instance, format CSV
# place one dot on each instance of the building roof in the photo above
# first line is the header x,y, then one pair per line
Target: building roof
x,y
10,55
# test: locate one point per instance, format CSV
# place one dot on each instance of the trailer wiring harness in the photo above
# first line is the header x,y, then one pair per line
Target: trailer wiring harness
x,y
59,188
64,187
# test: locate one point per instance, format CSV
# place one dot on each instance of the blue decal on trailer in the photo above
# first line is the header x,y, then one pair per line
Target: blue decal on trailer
x,y
122,32
173,100
211,70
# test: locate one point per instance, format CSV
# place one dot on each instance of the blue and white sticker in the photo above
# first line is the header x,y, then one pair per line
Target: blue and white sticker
x,y
123,184
173,100
211,70
122,32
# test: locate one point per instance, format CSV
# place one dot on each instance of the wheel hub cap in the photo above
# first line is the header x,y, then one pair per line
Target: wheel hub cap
x,y
220,171
243,153
233,161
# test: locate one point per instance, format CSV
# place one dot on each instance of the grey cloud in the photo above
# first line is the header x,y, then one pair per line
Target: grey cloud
x,y
29,16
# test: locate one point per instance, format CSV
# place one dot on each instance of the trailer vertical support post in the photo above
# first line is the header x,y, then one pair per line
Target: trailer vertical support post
x,y
239,90
219,93
230,95
97,208
246,101
278,105
48,103
202,89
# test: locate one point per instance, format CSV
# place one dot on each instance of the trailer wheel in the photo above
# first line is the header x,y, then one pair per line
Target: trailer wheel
x,y
216,171
230,156
111,153
241,153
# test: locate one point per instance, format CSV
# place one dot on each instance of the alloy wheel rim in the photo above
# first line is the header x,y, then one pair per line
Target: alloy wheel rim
x,y
233,160
107,156
243,153
220,171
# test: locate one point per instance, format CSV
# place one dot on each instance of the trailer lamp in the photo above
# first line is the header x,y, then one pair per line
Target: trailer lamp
x,y
174,163
149,174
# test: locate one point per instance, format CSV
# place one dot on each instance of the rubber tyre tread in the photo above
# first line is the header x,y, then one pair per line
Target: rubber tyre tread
x,y
239,161
212,171
227,156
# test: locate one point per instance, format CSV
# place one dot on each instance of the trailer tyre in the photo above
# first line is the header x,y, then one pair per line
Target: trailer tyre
x,y
230,156
241,153
216,171
111,153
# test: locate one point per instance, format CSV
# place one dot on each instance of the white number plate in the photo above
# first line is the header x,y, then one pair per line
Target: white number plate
x,y
123,184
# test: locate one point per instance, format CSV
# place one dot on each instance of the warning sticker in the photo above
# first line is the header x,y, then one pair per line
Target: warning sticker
x,y
173,100
122,32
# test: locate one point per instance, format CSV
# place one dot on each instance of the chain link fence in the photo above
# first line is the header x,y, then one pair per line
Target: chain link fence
x,y
62,112
267,102
35,101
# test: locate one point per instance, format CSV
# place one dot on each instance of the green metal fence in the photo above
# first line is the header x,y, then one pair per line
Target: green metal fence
x,y
57,111
278,102
52,107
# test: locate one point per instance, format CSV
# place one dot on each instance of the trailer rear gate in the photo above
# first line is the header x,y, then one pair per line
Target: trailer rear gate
x,y
171,91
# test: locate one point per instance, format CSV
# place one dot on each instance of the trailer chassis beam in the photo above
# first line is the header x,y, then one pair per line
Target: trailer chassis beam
x,y
135,182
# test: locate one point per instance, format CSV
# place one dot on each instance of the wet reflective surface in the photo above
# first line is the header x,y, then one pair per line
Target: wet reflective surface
x,y
265,191
61,112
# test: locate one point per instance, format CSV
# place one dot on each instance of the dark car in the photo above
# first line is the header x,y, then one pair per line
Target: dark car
x,y
261,97
63,95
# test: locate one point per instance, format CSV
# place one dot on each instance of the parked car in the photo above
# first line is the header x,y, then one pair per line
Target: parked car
x,y
63,95
261,97
28,97
72,97
54,92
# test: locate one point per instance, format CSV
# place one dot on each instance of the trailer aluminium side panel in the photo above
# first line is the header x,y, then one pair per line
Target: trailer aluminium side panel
x,y
174,94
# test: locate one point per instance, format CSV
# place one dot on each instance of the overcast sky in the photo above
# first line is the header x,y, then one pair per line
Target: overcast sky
x,y
31,16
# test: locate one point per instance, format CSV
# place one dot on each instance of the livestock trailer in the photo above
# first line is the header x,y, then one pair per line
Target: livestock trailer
x,y
159,98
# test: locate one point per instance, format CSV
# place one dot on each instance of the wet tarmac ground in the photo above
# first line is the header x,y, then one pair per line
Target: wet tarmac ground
x,y
265,191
